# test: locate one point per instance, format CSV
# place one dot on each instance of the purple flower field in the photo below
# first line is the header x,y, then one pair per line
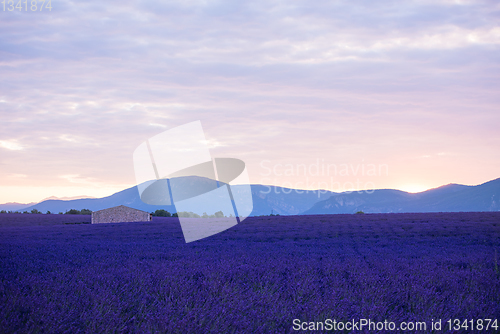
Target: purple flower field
x,y
60,274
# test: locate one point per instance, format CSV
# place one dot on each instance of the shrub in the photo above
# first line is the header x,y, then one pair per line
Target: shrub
x,y
186,214
161,213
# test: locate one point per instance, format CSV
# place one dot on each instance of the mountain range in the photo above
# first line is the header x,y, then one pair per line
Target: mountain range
x,y
286,201
448,198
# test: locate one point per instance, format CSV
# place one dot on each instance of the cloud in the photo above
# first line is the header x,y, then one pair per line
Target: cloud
x,y
75,178
11,145
84,84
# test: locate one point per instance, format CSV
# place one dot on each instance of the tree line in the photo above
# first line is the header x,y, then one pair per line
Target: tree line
x,y
157,213
186,214
68,212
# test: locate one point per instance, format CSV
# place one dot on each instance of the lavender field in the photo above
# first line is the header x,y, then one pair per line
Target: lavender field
x,y
59,274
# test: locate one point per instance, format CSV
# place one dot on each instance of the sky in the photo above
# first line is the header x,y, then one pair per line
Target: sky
x,y
338,95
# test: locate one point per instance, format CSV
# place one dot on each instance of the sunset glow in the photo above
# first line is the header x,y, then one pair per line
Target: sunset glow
x,y
408,85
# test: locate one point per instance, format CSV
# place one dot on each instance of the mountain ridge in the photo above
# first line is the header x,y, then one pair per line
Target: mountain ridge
x,y
287,201
447,198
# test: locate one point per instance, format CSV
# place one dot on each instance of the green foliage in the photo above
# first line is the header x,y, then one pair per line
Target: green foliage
x,y
48,212
186,214
3,211
161,213
35,211
273,214
78,212
360,213
218,214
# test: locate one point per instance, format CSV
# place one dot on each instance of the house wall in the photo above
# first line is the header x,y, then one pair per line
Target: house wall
x,y
119,214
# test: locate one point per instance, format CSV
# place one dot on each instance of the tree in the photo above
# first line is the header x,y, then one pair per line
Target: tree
x,y
3,211
73,212
219,214
188,214
35,211
86,212
161,213
48,212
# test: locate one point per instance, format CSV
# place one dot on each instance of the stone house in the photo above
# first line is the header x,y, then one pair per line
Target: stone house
x,y
119,214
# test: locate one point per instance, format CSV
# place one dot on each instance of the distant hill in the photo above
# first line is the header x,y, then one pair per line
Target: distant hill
x,y
14,206
285,201
67,198
449,198
266,199
129,197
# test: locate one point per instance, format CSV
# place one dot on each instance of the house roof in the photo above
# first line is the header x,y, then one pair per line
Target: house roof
x,y
119,206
